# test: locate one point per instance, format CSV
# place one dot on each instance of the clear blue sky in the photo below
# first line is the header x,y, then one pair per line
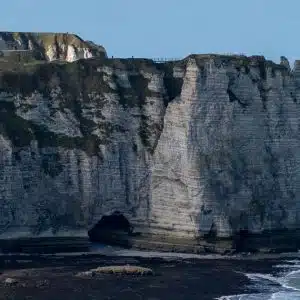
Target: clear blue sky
x,y
166,28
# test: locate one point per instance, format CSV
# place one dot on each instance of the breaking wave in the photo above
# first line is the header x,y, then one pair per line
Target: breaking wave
x,y
284,286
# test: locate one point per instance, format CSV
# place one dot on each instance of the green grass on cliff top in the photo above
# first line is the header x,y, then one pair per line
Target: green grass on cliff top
x,y
49,38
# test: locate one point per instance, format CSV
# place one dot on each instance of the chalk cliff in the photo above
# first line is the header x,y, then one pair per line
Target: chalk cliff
x,y
208,144
48,46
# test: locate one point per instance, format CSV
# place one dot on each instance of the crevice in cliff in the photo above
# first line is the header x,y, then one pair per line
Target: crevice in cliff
x,y
263,93
173,85
124,174
138,92
51,164
213,232
262,69
232,96
57,48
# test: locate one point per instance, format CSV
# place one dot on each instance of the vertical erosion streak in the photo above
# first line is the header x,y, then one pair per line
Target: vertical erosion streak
x,y
209,147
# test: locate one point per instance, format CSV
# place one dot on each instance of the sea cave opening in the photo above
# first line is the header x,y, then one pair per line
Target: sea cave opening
x,y
113,229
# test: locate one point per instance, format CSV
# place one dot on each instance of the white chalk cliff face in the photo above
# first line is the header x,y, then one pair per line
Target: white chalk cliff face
x,y
49,46
207,143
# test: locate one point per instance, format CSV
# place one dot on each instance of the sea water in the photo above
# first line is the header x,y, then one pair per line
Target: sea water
x,y
284,286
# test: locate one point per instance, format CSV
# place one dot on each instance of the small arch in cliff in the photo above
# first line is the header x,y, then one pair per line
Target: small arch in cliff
x,y
111,229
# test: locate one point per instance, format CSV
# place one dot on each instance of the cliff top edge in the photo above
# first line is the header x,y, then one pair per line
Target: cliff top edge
x,y
48,38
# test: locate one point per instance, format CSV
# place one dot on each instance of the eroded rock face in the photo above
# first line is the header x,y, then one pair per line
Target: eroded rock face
x,y
48,46
209,143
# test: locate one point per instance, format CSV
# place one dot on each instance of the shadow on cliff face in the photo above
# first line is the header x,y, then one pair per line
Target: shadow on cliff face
x,y
114,229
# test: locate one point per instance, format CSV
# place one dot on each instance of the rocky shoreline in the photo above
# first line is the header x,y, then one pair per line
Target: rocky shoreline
x,y
268,242
51,277
54,275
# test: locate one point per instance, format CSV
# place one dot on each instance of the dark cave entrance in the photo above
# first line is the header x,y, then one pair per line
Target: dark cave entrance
x,y
213,232
114,229
241,240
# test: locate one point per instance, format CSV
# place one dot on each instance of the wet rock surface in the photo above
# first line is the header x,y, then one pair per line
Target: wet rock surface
x,y
117,270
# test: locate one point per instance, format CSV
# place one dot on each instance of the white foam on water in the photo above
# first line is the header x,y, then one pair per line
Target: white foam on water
x,y
285,296
285,266
263,277
288,282
264,296
293,261
258,296
292,280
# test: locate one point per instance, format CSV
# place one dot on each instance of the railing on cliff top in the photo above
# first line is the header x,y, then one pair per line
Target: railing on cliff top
x,y
5,52
155,59
165,59
170,59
